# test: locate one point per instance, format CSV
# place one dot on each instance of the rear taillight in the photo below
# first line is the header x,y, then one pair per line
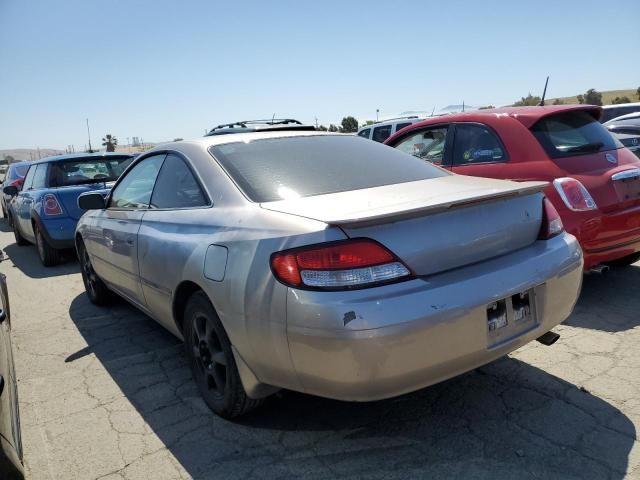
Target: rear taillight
x,y
574,195
551,222
50,205
17,183
339,265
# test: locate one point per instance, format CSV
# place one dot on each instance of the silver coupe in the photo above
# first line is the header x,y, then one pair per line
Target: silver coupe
x,y
326,264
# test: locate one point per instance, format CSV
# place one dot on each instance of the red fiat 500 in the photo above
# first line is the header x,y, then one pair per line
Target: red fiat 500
x,y
594,180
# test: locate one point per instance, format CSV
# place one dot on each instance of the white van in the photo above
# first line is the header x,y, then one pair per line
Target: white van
x,y
382,130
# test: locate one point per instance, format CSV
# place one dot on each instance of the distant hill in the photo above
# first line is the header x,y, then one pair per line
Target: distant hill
x,y
29,153
607,97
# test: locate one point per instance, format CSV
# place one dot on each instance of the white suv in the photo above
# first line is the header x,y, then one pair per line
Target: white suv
x,y
380,131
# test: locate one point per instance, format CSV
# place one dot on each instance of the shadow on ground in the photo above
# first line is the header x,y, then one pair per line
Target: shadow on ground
x,y
609,302
26,259
505,420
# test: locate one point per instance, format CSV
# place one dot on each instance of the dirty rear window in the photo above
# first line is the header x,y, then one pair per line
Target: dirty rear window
x,y
573,133
284,168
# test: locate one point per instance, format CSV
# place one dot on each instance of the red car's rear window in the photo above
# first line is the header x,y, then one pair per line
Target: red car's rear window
x,y
574,133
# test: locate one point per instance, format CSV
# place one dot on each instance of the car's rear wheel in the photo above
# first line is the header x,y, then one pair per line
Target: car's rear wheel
x,y
96,289
625,261
212,363
20,240
49,256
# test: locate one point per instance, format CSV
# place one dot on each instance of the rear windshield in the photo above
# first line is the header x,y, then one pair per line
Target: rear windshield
x,y
86,170
573,133
284,168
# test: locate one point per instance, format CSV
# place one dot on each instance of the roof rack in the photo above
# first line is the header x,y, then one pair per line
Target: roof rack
x,y
397,118
257,125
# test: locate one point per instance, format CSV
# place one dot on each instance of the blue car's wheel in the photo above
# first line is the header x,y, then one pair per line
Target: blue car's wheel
x,y
20,240
49,256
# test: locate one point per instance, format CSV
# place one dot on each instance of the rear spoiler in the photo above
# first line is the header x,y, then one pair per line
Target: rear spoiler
x,y
529,188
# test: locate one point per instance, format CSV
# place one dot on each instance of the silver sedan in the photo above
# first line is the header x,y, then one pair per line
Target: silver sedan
x,y
326,264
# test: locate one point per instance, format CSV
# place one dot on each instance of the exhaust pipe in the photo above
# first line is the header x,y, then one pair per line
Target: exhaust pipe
x,y
600,269
548,338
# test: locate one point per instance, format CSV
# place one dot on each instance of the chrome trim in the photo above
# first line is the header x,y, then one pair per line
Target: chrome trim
x,y
626,174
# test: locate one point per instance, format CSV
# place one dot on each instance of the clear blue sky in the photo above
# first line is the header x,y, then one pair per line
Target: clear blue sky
x,y
165,69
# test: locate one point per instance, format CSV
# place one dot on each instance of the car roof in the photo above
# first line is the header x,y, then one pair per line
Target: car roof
x,y
526,115
617,105
71,156
391,121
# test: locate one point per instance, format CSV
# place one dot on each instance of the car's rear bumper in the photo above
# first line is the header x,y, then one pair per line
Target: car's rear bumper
x,y
607,237
376,343
59,232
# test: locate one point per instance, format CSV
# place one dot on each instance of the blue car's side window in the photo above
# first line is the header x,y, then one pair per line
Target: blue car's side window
x,y
40,176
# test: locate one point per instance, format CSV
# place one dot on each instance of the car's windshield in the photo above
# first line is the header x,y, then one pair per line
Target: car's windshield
x,y
283,168
573,133
87,170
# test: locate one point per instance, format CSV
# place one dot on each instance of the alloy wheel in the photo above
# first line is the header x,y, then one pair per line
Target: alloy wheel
x,y
211,362
88,274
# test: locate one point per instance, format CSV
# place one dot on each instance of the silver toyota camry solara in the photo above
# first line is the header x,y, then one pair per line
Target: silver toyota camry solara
x,y
326,264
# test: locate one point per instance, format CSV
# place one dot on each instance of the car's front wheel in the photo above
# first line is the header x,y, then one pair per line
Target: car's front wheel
x,y
212,363
97,291
49,256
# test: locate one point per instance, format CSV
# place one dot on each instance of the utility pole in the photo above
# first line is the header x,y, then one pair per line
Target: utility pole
x,y
316,122
377,111
89,135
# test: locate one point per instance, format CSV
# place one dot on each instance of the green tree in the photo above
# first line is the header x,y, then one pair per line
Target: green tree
x,y
349,125
557,101
9,159
580,99
619,100
591,97
529,100
638,93
333,128
369,122
110,142
322,128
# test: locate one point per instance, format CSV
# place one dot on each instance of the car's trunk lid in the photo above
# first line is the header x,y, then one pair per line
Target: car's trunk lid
x,y
436,224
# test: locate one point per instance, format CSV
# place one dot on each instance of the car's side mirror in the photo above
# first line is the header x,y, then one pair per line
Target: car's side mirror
x,y
92,201
10,190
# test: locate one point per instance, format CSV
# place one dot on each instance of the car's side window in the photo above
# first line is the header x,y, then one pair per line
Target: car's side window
x,y
135,189
380,134
176,186
400,126
365,133
429,144
40,176
476,143
28,179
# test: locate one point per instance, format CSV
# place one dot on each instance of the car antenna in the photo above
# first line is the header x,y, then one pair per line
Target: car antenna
x,y
544,92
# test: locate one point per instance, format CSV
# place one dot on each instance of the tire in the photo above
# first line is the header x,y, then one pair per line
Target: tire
x,y
20,240
97,291
49,256
4,213
625,261
212,363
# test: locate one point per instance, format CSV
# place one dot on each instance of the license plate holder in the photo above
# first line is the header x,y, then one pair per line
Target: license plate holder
x,y
511,317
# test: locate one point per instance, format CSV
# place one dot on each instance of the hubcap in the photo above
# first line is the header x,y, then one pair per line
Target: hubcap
x,y
211,362
39,244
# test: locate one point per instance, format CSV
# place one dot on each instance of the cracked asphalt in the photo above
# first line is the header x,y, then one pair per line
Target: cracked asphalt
x,y
105,393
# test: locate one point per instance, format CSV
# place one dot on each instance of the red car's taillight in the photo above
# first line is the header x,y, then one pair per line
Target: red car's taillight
x,y
551,222
17,183
339,265
574,195
50,205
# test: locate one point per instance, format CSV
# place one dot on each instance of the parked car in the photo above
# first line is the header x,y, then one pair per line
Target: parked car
x,y
627,129
45,210
380,131
14,177
610,112
326,264
11,457
594,182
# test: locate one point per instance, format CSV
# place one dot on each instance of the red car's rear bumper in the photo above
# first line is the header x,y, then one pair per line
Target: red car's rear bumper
x,y
605,237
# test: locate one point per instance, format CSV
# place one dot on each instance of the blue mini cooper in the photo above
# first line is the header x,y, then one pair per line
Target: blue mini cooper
x,y
45,211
